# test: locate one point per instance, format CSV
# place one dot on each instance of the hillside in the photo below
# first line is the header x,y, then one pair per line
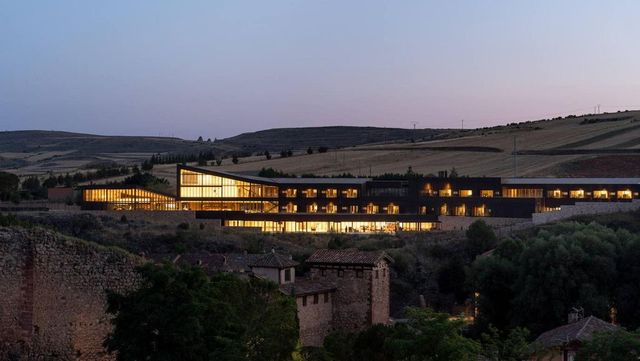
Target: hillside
x,y
590,145
332,137
37,151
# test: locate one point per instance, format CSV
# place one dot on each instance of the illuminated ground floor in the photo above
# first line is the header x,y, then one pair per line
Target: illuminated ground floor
x,y
316,223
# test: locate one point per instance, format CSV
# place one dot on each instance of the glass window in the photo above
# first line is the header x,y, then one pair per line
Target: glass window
x,y
291,208
371,208
353,209
601,194
331,193
287,275
290,192
556,193
578,193
312,208
466,193
624,194
486,193
393,209
350,193
310,193
331,208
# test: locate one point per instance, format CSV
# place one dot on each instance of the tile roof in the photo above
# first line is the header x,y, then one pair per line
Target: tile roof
x,y
581,330
347,256
305,286
219,262
273,260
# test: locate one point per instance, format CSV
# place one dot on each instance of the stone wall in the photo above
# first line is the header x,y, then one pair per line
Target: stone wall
x,y
380,294
581,208
453,223
53,288
315,318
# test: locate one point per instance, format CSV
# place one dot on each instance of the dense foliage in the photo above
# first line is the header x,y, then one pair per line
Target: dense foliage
x,y
534,282
9,183
180,314
426,336
618,345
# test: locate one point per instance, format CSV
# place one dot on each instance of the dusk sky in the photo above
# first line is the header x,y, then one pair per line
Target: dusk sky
x,y
219,68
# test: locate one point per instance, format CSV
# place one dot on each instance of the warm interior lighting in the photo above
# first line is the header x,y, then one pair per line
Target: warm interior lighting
x,y
291,208
310,193
312,208
371,208
393,209
601,194
331,208
466,193
578,193
290,193
556,193
331,193
460,210
350,193
486,193
624,194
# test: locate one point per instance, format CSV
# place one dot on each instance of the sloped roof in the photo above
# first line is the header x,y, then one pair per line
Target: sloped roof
x,y
273,260
580,331
348,256
305,286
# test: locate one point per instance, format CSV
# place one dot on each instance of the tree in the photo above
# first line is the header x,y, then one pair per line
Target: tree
x,y
9,184
267,154
453,173
480,238
309,150
234,159
200,140
506,346
181,314
218,161
147,166
431,336
322,149
618,345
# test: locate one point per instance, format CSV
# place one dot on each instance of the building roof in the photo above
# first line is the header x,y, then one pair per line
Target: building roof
x,y
348,256
571,181
305,286
580,331
273,260
288,180
219,262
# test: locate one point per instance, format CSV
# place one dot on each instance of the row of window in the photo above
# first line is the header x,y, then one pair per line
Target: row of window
x,y
535,193
596,194
332,208
327,193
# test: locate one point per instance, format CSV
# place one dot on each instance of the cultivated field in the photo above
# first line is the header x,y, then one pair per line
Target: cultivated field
x,y
591,147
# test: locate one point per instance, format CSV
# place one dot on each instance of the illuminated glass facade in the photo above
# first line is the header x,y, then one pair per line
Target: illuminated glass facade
x,y
357,204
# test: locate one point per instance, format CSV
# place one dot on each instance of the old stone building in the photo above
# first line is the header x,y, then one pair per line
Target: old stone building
x,y
345,290
52,294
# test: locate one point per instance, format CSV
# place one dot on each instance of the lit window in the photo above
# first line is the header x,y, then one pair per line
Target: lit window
x,y
466,193
486,193
624,194
331,193
427,189
444,192
556,193
601,194
350,193
579,193
393,209
444,210
353,209
371,208
460,210
291,192
312,208
331,208
291,208
480,211
310,193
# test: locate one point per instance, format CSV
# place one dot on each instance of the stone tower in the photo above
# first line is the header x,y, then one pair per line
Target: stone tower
x,y
362,285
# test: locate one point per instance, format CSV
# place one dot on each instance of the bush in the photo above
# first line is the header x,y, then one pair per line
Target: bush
x,y
183,226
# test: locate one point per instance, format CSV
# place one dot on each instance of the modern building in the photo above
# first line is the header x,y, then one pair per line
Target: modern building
x,y
358,204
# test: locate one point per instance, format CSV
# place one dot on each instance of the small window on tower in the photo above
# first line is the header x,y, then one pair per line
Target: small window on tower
x,y
377,275
315,299
340,273
326,297
304,301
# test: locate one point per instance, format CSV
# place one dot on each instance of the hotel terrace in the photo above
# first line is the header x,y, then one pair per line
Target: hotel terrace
x,y
346,205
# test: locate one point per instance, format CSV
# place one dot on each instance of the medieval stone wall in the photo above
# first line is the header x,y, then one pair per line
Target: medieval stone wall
x,y
380,294
315,318
53,294
352,303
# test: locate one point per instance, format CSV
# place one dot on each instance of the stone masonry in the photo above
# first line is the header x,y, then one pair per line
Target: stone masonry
x,y
52,303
